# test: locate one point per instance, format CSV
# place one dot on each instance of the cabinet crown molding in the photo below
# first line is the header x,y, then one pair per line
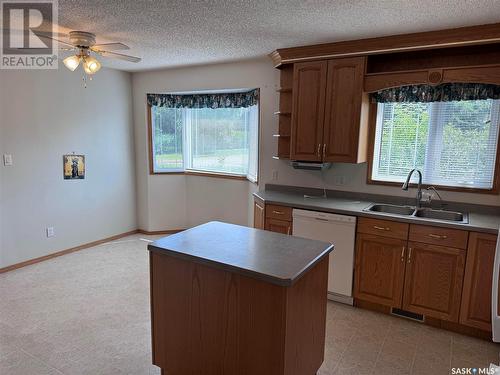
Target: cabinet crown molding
x,y
463,36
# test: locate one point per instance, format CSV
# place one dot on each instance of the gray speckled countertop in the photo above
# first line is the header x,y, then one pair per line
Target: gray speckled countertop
x,y
487,222
272,257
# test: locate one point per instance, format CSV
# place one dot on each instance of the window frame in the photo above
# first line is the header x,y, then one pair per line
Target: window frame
x,y
372,131
195,172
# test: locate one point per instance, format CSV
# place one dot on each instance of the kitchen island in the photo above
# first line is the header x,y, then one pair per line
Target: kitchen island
x,y
232,300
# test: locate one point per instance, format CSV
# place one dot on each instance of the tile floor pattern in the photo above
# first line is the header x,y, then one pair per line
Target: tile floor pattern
x,y
88,313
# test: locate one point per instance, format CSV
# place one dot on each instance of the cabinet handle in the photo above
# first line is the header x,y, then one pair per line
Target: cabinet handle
x,y
437,236
381,228
319,150
324,150
409,255
278,212
403,254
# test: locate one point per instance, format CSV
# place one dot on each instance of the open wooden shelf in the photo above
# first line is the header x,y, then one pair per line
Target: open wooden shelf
x,y
284,113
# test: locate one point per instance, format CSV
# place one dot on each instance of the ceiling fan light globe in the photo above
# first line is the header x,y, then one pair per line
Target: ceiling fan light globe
x,y
91,65
72,62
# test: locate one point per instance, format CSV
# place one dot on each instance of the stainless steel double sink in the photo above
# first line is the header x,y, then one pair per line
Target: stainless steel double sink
x,y
424,213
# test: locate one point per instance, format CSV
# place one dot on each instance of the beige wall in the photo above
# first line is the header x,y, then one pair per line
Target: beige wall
x,y
355,180
45,114
179,201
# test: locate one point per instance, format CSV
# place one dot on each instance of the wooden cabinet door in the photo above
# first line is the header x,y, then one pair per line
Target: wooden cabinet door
x,y
476,296
258,215
279,226
308,110
433,280
379,269
343,109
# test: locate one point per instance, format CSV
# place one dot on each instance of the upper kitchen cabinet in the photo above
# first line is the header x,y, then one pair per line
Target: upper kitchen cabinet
x,y
329,111
308,110
346,112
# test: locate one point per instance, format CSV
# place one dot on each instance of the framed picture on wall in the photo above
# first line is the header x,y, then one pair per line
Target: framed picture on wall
x,y
74,167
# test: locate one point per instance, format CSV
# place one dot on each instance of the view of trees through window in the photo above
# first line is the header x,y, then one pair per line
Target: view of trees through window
x,y
167,138
205,139
452,143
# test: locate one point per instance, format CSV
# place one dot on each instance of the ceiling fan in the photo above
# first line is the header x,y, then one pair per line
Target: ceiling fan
x,y
84,43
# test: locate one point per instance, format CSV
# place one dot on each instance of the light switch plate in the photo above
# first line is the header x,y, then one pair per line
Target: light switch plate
x,y
50,232
7,160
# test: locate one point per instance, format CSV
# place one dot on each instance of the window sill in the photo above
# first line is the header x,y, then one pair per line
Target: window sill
x,y
458,189
205,174
215,174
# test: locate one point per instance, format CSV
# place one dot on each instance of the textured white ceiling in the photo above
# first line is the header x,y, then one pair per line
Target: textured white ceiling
x,y
184,32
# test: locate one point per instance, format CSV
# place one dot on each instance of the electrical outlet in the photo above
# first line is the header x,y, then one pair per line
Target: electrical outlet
x,y
50,232
275,175
7,160
340,180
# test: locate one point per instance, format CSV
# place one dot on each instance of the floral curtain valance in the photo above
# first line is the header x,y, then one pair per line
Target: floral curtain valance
x,y
445,92
210,100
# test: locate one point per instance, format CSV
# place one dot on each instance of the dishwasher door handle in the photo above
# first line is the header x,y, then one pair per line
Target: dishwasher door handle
x,y
321,219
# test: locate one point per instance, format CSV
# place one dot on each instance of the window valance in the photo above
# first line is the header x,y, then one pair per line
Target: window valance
x,y
209,100
445,92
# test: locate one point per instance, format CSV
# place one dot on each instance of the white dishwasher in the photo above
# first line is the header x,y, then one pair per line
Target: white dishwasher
x,y
339,230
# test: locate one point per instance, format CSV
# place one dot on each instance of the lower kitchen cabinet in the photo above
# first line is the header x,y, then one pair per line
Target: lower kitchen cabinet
x,y
441,273
258,215
279,226
379,269
476,296
433,281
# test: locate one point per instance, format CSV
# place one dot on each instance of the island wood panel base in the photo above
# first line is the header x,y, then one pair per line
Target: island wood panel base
x,y
211,321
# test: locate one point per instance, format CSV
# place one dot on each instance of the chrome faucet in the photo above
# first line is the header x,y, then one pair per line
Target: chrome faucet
x,y
419,191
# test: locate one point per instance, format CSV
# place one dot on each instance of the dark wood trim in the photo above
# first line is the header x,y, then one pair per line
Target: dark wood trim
x,y
67,251
215,175
463,36
371,146
167,173
475,74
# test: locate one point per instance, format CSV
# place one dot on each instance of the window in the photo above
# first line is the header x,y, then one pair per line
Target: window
x,y
453,143
218,140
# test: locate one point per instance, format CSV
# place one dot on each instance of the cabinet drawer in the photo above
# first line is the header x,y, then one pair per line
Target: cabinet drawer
x,y
439,236
279,212
279,226
385,228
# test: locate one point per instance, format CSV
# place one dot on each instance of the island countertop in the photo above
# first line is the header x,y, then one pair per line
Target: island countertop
x,y
272,257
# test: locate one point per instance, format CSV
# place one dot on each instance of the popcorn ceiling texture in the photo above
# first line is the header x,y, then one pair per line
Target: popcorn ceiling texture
x,y
189,32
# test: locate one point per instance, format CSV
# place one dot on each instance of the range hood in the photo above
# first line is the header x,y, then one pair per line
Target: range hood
x,y
311,166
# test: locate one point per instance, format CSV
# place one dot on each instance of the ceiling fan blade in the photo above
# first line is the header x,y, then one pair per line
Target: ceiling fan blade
x,y
109,47
120,56
40,35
